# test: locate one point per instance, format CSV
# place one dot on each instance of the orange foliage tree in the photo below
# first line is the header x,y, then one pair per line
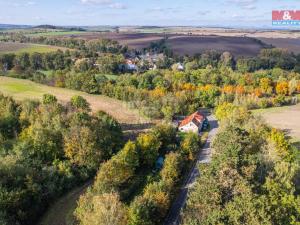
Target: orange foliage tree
x,y
228,89
282,88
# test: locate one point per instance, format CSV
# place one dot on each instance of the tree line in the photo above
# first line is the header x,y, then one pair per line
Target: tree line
x,y
163,93
130,188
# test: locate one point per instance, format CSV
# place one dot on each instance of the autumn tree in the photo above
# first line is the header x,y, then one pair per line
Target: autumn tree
x,y
190,146
148,145
101,209
79,103
266,85
282,88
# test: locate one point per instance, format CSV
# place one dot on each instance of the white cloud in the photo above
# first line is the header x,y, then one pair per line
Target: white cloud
x,y
102,2
249,7
30,3
203,13
107,3
23,4
117,6
244,4
164,10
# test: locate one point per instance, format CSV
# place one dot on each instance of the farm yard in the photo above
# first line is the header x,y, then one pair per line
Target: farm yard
x,y
18,48
25,89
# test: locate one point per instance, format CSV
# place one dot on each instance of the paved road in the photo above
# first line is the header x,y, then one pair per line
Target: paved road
x,y
203,157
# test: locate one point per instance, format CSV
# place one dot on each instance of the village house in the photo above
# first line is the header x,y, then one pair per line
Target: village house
x,y
193,123
130,65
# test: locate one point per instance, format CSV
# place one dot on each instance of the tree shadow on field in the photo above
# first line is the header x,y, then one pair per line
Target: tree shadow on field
x,y
136,127
132,131
297,144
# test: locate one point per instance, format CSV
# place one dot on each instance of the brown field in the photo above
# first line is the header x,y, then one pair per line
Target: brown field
x,y
238,46
183,44
291,44
285,118
238,43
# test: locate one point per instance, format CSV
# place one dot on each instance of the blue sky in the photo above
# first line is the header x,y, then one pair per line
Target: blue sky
x,y
143,12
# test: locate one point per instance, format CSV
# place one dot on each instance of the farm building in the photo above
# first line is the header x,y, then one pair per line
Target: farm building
x,y
193,123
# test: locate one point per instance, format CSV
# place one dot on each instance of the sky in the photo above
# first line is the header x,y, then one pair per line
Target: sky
x,y
228,13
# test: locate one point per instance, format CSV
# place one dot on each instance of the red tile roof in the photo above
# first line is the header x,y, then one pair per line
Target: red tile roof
x,y
197,118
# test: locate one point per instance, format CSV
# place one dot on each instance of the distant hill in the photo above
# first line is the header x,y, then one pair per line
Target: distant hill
x,y
52,27
47,26
13,26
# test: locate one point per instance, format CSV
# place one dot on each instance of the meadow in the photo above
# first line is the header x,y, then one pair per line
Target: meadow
x,y
18,48
54,33
286,118
24,89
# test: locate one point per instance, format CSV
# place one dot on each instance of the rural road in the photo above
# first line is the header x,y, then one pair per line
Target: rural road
x,y
203,157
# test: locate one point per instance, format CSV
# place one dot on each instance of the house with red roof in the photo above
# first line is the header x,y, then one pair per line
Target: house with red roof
x,y
193,123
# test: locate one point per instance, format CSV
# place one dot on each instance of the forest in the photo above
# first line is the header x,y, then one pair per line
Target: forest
x,y
46,149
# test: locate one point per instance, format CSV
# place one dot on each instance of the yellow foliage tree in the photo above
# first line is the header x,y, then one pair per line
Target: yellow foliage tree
x,y
266,85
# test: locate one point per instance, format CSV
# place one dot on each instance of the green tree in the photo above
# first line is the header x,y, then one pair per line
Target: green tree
x,y
80,103
49,99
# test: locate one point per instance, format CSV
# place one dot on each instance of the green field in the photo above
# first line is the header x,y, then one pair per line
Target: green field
x,y
18,48
55,33
25,89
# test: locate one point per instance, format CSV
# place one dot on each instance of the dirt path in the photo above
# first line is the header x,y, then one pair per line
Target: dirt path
x,y
61,212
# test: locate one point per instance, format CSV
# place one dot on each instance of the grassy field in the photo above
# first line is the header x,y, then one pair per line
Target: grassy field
x,y
286,118
24,89
55,33
18,48
61,212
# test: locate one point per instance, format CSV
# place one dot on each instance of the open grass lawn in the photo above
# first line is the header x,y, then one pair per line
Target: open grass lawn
x,y
18,48
25,89
286,118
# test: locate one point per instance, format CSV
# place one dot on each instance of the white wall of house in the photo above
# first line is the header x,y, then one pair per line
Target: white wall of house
x,y
190,127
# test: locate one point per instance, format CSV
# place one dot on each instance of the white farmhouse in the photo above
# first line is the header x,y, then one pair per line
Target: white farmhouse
x,y
193,123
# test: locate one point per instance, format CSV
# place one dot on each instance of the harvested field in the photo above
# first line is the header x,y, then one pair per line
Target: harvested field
x,y
183,44
17,48
238,46
25,89
291,44
285,118
238,43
